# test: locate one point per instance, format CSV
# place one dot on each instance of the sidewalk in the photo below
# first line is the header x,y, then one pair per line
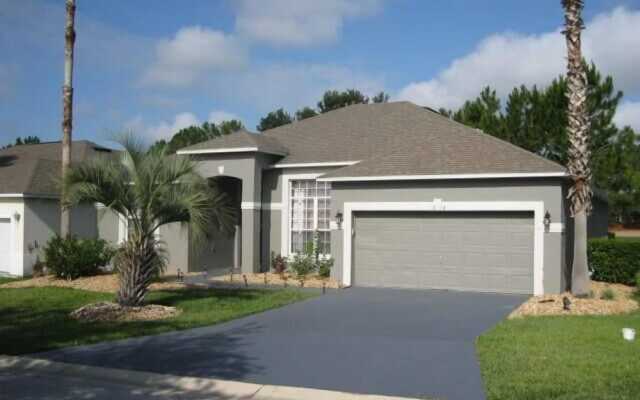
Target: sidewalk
x,y
24,377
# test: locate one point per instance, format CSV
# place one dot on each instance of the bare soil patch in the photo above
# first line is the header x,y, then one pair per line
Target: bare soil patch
x,y
622,302
267,279
108,311
107,283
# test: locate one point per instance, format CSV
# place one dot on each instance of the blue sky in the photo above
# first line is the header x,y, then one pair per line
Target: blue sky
x,y
154,66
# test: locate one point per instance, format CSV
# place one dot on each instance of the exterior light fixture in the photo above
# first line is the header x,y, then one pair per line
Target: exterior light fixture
x,y
16,216
547,220
339,219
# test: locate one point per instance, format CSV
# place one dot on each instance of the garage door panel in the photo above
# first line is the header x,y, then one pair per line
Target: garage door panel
x,y
481,251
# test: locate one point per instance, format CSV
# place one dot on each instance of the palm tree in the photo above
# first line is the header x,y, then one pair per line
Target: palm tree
x,y
579,152
150,189
67,105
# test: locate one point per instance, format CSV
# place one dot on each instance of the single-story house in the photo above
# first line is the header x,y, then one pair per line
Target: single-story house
x,y
29,202
397,194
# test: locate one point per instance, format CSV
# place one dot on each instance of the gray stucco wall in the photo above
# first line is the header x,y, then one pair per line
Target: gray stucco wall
x,y
42,221
176,240
548,191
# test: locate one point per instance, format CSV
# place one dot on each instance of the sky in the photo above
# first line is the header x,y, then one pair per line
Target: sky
x,y
155,66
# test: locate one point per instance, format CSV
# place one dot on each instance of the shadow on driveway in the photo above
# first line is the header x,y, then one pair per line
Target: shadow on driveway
x,y
361,340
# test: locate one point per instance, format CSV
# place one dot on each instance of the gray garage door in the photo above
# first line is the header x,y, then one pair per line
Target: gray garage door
x,y
476,251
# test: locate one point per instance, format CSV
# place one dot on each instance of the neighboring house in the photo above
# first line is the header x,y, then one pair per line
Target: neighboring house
x,y
399,196
29,203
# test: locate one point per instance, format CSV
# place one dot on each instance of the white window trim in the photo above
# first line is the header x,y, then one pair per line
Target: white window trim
x,y
285,230
443,176
536,206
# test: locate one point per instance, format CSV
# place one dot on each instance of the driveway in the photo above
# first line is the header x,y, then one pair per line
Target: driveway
x,y
383,341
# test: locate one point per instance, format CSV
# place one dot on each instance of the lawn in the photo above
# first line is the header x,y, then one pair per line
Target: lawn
x,y
36,319
568,358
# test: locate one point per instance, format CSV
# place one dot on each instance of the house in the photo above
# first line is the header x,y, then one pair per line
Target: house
x,y
30,207
397,194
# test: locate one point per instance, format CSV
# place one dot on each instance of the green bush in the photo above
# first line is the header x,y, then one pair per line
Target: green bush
x,y
638,281
302,265
614,261
324,267
71,258
278,263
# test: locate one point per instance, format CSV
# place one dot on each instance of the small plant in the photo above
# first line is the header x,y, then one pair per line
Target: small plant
x,y
303,264
324,267
638,281
278,263
608,294
71,258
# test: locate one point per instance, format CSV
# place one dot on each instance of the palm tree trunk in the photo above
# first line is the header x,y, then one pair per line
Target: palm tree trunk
x,y
67,113
579,151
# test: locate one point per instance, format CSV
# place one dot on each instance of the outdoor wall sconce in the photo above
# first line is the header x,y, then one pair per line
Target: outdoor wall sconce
x,y
339,219
547,220
16,216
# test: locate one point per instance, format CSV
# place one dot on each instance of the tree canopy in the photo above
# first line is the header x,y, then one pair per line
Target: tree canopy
x,y
333,99
196,134
23,140
274,119
536,119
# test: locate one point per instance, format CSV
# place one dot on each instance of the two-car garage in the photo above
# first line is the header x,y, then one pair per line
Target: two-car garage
x,y
490,251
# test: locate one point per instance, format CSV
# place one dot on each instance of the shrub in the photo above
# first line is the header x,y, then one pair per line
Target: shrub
x,y
72,258
638,280
302,265
324,267
278,263
608,294
614,261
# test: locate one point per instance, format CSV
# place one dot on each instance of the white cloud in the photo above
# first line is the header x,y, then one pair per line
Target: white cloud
x,y
504,61
166,129
192,53
267,87
163,129
298,22
628,113
217,116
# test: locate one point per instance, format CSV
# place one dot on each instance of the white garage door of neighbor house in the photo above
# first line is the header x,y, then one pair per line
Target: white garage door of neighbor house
x,y
474,251
6,260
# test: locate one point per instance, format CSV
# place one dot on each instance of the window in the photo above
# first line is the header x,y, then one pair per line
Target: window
x,y
310,207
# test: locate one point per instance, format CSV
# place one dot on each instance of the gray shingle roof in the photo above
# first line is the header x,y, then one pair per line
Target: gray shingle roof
x,y
238,140
35,169
389,139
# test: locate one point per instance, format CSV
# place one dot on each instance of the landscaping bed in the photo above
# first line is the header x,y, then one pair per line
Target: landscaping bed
x,y
107,283
38,318
598,302
266,279
110,311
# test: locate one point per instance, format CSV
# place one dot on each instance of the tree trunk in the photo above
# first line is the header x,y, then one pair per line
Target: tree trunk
x,y
579,148
67,113
580,271
137,264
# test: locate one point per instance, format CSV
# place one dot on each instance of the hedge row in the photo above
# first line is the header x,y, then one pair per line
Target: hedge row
x,y
614,261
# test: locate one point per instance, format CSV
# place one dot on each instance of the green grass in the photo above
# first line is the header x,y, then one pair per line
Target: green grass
x,y
627,238
568,358
37,319
7,279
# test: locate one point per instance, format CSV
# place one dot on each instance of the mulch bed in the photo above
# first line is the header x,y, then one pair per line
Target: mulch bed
x,y
108,311
622,302
265,279
107,283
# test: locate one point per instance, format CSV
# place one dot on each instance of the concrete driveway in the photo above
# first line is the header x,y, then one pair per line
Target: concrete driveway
x,y
379,341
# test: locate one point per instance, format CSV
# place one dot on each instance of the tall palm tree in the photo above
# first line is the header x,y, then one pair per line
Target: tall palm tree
x,y
149,189
67,105
579,152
